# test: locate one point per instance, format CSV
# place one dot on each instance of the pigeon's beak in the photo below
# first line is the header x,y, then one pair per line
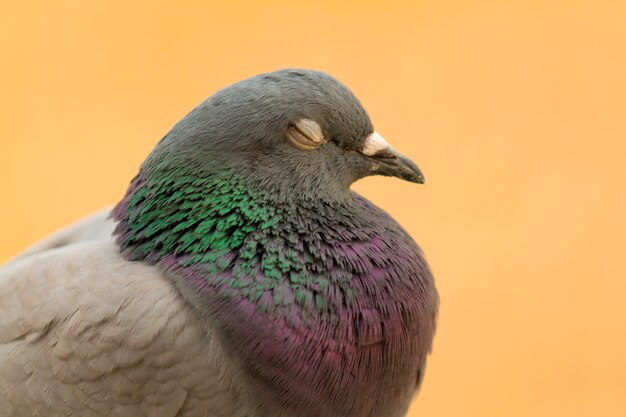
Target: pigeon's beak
x,y
384,160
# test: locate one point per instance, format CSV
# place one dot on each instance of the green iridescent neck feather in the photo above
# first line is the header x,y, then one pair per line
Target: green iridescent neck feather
x,y
228,236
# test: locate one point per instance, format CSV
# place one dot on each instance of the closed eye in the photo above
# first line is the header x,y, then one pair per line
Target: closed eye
x,y
305,134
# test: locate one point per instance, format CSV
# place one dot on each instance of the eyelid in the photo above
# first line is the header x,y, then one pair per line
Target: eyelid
x,y
305,134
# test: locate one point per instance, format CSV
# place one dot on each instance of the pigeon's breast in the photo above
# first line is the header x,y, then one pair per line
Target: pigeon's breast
x,y
331,323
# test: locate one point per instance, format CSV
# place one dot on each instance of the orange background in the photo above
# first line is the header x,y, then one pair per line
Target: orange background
x,y
515,110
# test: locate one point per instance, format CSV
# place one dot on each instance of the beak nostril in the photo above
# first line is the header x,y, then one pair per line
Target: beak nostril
x,y
374,144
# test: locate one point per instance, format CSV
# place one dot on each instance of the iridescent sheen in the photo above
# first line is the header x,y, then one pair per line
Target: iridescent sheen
x,y
323,299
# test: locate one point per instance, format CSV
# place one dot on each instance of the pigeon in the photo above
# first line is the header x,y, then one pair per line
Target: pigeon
x,y
238,276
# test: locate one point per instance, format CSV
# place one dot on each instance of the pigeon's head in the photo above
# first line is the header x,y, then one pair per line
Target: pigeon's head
x,y
296,132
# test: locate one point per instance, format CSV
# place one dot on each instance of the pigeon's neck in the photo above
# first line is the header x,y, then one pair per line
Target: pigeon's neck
x,y
302,293
222,233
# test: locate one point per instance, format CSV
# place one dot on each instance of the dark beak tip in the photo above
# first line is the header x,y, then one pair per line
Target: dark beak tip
x,y
412,172
416,178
